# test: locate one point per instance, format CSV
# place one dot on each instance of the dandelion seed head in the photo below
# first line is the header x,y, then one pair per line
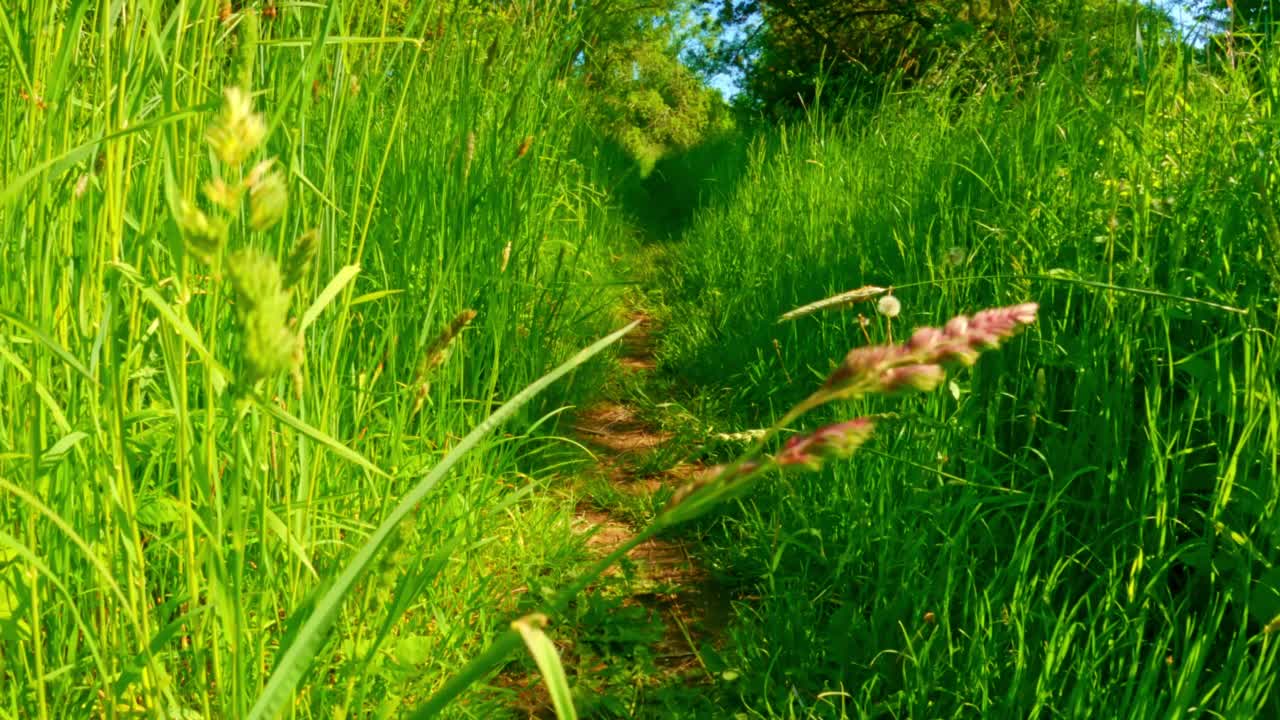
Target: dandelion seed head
x,y
889,306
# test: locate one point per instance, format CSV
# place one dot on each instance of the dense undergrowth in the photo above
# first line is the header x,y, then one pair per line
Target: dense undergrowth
x,y
1087,523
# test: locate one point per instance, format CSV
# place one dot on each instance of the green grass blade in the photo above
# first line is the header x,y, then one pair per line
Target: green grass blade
x,y
179,324
85,150
335,286
49,343
319,436
548,659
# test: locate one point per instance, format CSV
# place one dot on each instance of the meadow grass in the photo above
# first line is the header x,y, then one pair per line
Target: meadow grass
x,y
1086,524
167,529
266,485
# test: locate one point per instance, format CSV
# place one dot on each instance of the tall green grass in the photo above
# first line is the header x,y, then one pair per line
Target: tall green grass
x,y
161,544
1087,523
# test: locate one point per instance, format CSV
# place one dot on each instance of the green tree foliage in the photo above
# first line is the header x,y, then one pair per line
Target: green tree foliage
x,y
1256,13
643,97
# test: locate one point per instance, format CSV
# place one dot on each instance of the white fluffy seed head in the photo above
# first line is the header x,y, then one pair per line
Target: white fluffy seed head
x,y
889,306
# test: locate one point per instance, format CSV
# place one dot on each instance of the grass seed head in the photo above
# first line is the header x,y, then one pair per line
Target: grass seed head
x,y
298,263
470,154
435,355
723,475
524,146
249,34
224,195
204,237
270,345
907,378
917,364
826,443
268,199
835,302
962,339
238,131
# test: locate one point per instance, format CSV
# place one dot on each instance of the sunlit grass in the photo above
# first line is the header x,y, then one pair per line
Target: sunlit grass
x,y
222,473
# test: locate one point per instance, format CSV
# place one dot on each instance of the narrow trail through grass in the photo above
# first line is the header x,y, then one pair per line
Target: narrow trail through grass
x,y
665,577
640,632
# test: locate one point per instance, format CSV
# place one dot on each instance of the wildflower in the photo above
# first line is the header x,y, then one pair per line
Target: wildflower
x,y
238,130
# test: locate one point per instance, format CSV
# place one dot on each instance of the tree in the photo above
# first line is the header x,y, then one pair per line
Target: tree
x,y
1232,13
857,47
644,97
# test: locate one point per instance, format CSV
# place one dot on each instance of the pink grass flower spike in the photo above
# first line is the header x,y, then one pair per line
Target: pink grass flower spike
x,y
832,441
918,365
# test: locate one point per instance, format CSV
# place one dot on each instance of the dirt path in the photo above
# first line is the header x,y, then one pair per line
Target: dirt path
x,y
667,579
661,582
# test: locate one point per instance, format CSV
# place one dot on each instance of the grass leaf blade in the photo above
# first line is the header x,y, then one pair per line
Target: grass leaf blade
x,y
49,343
335,286
319,436
548,659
